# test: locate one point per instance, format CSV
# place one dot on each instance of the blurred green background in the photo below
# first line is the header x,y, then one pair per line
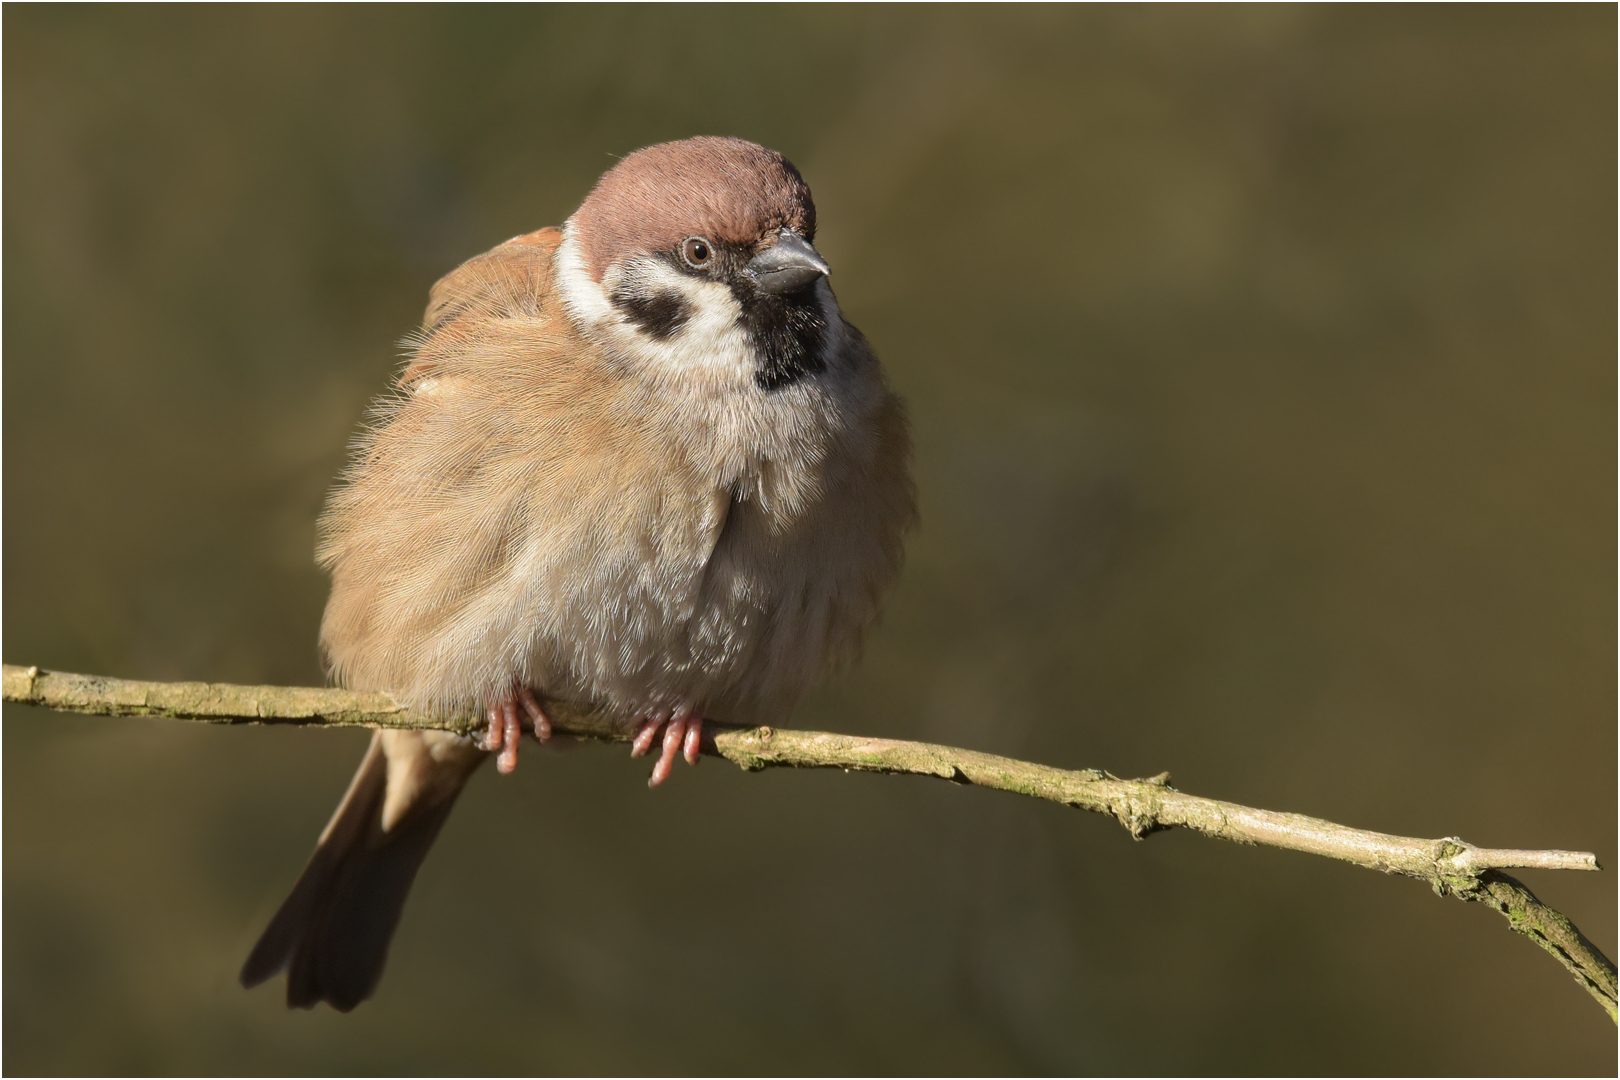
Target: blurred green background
x,y
1262,367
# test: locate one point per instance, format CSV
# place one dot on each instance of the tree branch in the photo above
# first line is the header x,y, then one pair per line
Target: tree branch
x,y
1451,866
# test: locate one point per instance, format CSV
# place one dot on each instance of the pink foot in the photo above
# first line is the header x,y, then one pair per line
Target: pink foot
x,y
506,725
683,734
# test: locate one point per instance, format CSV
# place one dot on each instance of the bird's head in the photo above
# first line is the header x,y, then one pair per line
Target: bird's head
x,y
697,256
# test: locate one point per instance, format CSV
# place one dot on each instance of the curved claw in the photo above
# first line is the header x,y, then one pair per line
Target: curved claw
x,y
537,715
694,740
646,733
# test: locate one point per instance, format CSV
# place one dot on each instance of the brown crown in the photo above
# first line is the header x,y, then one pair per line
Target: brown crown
x,y
729,190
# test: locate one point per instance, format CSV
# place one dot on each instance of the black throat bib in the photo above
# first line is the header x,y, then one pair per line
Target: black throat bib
x,y
787,333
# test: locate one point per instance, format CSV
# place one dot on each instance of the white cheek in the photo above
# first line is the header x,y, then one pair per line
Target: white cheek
x,y
710,341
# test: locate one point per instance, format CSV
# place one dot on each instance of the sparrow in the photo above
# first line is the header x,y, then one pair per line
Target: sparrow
x,y
640,462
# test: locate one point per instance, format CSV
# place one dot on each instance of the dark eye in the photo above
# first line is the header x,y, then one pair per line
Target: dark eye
x,y
696,251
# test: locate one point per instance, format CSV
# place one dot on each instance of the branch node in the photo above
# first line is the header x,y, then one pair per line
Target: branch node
x,y
1140,817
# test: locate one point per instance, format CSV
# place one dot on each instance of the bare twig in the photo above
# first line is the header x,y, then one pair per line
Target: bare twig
x,y
1452,867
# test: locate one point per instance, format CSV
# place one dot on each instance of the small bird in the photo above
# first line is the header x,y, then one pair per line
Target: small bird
x,y
639,462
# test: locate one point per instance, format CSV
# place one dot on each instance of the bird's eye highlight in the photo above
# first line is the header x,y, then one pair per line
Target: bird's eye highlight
x,y
696,251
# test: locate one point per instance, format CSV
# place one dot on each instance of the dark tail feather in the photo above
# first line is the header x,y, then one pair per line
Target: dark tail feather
x,y
331,935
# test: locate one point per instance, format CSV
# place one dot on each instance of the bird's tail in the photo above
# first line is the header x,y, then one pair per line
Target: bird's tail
x,y
331,935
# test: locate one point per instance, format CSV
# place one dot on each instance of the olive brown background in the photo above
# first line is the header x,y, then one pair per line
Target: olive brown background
x,y
1262,368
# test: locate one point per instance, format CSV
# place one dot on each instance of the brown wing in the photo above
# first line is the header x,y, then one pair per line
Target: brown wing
x,y
517,272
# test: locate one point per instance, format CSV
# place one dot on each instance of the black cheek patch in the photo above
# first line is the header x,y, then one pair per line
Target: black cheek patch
x,y
661,315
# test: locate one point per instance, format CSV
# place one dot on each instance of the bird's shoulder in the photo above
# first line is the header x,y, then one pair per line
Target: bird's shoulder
x,y
511,272
512,281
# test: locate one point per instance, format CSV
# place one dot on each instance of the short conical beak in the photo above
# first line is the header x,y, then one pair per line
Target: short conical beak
x,y
788,266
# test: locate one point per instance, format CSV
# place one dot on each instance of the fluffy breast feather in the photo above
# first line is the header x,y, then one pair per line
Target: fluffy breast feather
x,y
521,508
